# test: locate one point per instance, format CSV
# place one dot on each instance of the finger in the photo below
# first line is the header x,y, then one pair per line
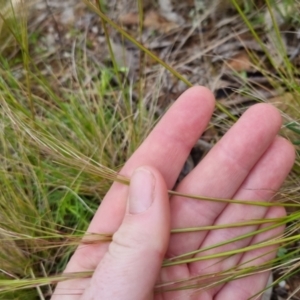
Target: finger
x,y
261,184
221,173
247,287
130,268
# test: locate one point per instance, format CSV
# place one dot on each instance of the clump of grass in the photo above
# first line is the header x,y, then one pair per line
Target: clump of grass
x,y
56,130
63,138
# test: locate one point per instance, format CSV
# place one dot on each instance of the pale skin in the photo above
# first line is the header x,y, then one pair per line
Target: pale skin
x,y
250,163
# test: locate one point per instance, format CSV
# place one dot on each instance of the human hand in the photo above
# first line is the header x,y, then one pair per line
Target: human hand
x,y
250,163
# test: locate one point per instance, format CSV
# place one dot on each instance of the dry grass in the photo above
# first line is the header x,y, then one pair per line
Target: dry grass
x,y
72,112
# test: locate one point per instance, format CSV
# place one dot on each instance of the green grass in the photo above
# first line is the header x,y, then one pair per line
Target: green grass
x,y
47,197
63,131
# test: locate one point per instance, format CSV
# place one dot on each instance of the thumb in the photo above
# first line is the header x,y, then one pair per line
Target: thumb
x,y
131,266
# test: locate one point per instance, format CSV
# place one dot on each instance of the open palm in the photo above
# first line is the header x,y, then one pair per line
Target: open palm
x,y
250,162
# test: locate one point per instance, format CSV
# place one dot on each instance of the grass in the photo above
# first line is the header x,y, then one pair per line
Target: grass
x,y
68,124
48,200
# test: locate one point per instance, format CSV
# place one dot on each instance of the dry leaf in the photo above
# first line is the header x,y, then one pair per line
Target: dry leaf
x,y
129,19
153,20
240,62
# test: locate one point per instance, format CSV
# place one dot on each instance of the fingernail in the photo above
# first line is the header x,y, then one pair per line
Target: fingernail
x,y
141,191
